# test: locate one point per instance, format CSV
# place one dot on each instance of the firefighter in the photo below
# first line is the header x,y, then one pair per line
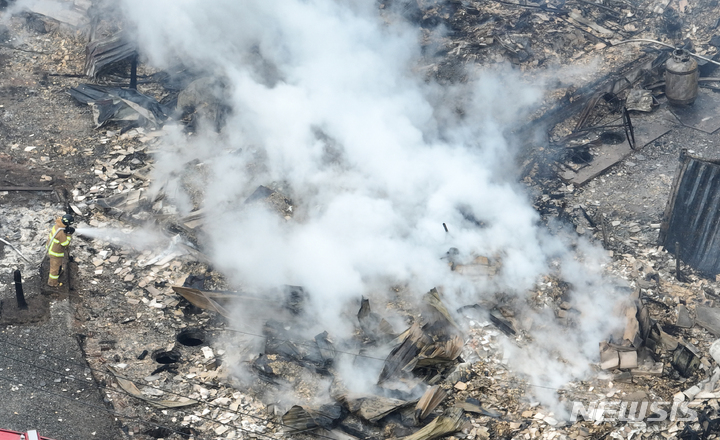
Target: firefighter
x,y
58,241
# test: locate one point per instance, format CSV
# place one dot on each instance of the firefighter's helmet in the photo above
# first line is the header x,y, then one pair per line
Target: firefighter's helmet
x,y
68,219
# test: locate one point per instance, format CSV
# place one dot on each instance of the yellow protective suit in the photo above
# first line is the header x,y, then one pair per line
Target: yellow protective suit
x,y
57,242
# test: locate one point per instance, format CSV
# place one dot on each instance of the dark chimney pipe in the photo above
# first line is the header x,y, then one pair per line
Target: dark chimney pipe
x,y
445,226
22,304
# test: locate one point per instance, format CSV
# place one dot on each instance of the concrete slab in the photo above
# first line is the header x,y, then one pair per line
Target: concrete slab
x,y
703,115
683,317
628,359
609,360
708,318
648,370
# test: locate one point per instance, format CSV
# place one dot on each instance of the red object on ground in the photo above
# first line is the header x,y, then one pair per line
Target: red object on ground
x,y
29,435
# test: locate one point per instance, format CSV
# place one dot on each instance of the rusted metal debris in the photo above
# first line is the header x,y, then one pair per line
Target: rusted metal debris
x,y
374,408
473,406
318,355
357,428
292,298
440,353
432,346
450,421
130,388
374,327
436,344
685,359
206,300
115,104
301,419
503,324
432,397
102,53
403,355
432,298
661,339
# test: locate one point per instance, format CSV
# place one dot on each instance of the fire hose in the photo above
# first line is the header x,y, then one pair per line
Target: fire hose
x,y
645,40
15,249
47,246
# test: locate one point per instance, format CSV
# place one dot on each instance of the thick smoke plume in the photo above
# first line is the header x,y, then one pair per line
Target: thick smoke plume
x,y
328,101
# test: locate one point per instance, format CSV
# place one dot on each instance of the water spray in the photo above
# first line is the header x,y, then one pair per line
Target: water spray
x,y
142,238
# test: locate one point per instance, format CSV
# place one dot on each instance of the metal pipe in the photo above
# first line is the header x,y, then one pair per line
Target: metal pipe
x,y
635,40
22,304
678,274
15,249
445,226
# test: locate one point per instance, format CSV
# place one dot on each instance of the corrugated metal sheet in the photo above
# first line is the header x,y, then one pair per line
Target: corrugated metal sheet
x,y
299,419
692,217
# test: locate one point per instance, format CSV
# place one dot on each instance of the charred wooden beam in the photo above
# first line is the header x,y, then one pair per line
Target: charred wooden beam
x,y
26,188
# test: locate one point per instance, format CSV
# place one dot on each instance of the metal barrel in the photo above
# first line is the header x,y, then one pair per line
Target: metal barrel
x,y
681,78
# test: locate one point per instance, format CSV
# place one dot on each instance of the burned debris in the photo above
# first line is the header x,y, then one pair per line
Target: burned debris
x,y
300,419
157,337
374,327
423,353
100,54
428,349
120,105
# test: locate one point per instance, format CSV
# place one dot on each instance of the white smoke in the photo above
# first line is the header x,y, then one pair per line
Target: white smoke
x,y
376,160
